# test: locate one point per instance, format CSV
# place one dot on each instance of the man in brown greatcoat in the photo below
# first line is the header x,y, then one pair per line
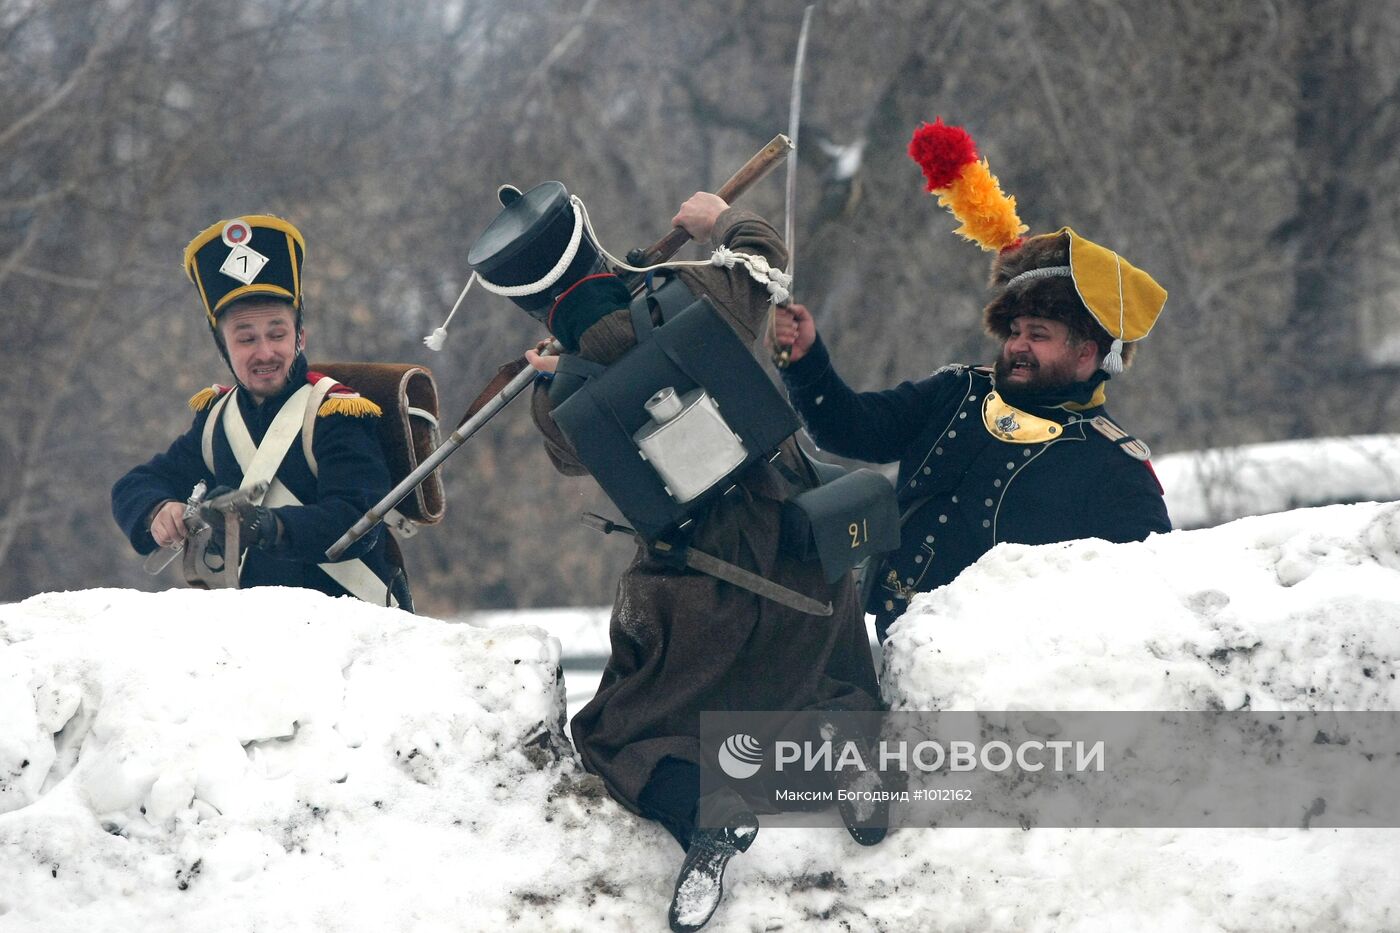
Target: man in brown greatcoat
x,y
684,642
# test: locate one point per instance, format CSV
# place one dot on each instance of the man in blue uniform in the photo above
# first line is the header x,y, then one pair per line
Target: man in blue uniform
x,y
313,440
1023,451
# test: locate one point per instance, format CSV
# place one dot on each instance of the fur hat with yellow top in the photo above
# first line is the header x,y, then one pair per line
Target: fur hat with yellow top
x,y
257,256
1098,294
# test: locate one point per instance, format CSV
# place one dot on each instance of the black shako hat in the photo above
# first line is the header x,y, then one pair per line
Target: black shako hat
x,y
256,254
535,249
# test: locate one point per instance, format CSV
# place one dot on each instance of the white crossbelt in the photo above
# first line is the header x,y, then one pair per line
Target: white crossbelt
x,y
260,462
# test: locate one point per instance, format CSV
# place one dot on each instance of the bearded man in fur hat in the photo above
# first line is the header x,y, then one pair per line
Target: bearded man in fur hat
x,y
1021,451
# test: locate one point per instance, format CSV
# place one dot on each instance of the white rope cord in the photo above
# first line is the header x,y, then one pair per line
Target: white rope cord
x,y
438,337
776,281
553,275
1113,359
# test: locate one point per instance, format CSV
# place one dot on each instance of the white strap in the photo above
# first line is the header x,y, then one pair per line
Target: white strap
x,y
424,414
550,277
353,575
308,425
206,443
260,462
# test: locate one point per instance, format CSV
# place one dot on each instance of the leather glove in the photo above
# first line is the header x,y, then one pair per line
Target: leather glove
x,y
258,526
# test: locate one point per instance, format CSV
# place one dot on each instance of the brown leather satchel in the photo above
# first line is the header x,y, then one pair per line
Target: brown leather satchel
x,y
408,429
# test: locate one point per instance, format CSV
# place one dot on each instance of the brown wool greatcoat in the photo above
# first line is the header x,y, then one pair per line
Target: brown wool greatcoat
x,y
683,642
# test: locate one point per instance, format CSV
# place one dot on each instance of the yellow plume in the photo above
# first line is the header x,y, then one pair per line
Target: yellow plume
x,y
988,216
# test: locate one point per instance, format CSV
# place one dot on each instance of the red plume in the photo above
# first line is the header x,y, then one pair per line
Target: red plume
x,y
941,151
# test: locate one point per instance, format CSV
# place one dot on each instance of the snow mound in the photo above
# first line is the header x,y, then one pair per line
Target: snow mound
x,y
1294,611
278,760
274,760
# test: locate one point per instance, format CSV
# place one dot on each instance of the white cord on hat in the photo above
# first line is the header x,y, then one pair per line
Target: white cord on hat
x,y
777,282
438,337
554,274
1113,360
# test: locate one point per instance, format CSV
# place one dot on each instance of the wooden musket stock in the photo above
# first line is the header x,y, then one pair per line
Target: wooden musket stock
x,y
752,172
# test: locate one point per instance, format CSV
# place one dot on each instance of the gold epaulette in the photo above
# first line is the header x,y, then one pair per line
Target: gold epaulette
x,y
207,396
343,400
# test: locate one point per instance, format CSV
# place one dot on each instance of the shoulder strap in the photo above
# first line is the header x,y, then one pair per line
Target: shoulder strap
x,y
206,440
1122,439
668,299
308,425
260,462
640,309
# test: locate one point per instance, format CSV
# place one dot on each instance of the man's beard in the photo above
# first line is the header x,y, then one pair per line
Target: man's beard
x,y
1041,378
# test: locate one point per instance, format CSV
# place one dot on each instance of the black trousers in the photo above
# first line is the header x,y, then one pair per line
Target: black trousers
x,y
671,797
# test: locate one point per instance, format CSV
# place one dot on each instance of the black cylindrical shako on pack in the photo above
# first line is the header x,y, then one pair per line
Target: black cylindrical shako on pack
x,y
535,248
675,420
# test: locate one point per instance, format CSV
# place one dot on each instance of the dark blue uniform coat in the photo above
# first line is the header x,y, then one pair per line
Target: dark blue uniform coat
x,y
353,477
961,489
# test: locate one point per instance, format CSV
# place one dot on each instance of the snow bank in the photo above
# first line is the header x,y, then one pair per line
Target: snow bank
x,y
274,760
277,760
1208,487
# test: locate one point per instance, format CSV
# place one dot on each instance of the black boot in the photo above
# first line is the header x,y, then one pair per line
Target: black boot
x,y
700,885
864,809
862,796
